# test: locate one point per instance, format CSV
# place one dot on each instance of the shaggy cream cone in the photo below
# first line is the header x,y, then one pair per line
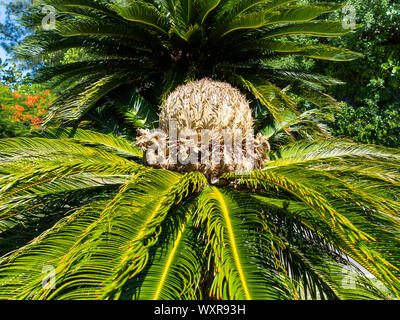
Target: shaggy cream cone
x,y
213,125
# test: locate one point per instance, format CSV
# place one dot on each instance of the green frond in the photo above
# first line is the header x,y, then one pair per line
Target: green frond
x,y
313,198
320,51
36,151
292,127
314,93
70,70
248,21
290,15
205,8
109,142
144,13
313,28
22,270
23,191
302,152
131,221
182,14
295,75
354,197
88,93
233,233
135,109
99,6
298,13
233,8
175,269
319,269
83,27
272,97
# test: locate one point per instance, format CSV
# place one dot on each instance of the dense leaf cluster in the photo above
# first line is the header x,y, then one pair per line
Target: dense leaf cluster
x,y
322,209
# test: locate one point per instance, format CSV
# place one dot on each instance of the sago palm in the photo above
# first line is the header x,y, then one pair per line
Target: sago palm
x,y
134,51
314,221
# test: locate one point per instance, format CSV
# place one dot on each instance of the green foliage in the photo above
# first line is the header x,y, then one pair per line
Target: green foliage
x,y
10,29
372,90
115,229
22,108
322,209
150,47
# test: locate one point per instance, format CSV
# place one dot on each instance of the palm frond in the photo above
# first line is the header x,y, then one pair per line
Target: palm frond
x,y
326,187
176,264
109,142
313,28
233,233
143,13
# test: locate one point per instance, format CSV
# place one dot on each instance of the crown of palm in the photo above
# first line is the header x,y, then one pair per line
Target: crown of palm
x,y
152,46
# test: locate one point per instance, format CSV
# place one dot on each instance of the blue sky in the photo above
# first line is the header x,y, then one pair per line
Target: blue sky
x,y
2,9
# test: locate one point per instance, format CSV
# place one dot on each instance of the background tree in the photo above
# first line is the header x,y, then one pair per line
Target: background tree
x,y
372,91
11,30
22,109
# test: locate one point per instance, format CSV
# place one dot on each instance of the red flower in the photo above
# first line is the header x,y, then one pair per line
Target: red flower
x,y
31,100
17,116
19,108
36,120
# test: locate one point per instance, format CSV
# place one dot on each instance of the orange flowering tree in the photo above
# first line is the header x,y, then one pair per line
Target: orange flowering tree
x,y
22,109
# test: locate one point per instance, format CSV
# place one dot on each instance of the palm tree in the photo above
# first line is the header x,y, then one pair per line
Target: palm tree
x,y
314,222
135,52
